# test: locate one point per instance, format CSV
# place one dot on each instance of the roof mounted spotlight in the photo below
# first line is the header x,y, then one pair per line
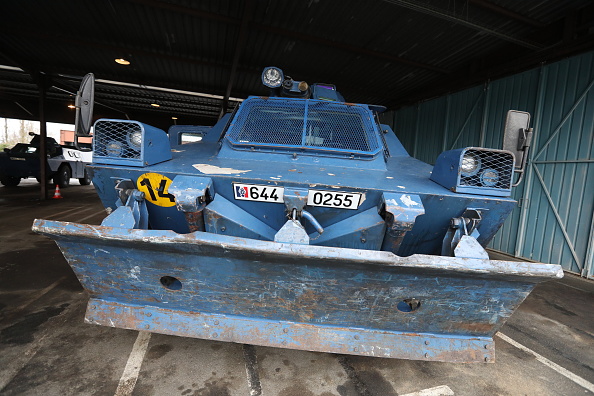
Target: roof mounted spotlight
x,y
272,77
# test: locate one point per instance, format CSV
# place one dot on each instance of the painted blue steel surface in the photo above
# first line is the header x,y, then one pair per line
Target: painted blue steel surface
x,y
190,192
176,132
394,145
446,172
326,92
404,175
294,335
311,285
341,290
304,125
151,152
554,228
22,165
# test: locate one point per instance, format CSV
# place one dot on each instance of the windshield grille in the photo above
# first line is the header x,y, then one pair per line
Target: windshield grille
x,y
304,124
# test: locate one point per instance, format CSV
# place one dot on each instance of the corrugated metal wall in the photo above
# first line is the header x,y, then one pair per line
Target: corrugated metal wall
x,y
555,219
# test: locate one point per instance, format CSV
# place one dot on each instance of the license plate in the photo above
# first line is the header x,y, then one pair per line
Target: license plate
x,y
333,199
254,192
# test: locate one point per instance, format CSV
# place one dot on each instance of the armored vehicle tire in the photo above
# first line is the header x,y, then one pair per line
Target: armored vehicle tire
x,y
10,181
86,180
62,177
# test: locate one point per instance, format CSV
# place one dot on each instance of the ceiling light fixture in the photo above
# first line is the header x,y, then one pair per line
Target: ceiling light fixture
x,y
122,61
71,106
174,118
155,105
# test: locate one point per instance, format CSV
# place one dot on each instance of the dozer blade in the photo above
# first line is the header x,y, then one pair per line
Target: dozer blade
x,y
316,298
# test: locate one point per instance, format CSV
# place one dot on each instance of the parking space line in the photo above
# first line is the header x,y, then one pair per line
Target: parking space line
x,y
251,369
93,215
130,375
39,294
34,297
566,373
576,288
442,390
67,211
15,369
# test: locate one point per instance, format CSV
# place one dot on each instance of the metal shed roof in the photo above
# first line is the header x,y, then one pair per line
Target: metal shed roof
x,y
390,52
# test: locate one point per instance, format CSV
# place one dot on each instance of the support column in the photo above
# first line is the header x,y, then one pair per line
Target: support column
x,y
41,83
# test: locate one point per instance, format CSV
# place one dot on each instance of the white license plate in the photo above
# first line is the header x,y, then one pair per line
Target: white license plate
x,y
254,192
333,199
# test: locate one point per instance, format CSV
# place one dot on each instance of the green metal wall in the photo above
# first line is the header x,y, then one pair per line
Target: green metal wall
x,y
554,221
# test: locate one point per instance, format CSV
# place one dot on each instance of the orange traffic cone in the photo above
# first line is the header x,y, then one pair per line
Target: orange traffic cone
x,y
57,194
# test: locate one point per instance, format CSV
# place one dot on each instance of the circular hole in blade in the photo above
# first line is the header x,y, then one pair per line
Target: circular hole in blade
x,y
409,305
171,283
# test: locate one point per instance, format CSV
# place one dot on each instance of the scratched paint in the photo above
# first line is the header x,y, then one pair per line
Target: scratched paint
x,y
262,283
208,169
408,201
363,281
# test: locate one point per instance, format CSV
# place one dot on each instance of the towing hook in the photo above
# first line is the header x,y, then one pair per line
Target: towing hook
x,y
313,221
304,213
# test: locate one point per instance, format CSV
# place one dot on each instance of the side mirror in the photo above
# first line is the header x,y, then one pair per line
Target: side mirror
x,y
84,106
6,150
517,138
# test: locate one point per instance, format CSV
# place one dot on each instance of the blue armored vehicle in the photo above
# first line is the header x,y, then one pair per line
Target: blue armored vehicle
x,y
63,163
300,221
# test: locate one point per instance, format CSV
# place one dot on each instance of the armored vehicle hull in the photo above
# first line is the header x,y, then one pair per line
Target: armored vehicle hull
x,y
300,223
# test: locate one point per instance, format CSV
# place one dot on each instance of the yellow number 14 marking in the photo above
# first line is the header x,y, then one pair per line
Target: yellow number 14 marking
x,y
155,188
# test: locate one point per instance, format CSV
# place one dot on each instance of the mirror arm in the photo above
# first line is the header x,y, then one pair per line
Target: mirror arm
x,y
524,141
517,183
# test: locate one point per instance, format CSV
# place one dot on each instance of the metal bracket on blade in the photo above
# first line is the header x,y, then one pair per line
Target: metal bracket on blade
x,y
400,212
131,209
461,238
192,194
295,200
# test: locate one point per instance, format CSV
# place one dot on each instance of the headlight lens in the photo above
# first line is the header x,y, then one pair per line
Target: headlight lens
x,y
470,164
272,77
134,139
489,177
113,149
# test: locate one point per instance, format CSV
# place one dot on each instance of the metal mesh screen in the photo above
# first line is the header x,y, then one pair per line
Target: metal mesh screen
x,y
305,124
269,122
494,169
111,139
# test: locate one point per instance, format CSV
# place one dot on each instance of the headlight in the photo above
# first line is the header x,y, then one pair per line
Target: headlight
x,y
272,77
475,170
470,164
489,177
113,149
134,139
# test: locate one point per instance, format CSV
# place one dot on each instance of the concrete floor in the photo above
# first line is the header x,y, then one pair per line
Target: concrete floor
x,y
46,349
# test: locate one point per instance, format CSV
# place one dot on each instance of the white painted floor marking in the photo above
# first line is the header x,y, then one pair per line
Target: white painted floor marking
x,y
93,215
14,369
442,390
576,288
58,214
23,360
35,296
130,375
575,378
